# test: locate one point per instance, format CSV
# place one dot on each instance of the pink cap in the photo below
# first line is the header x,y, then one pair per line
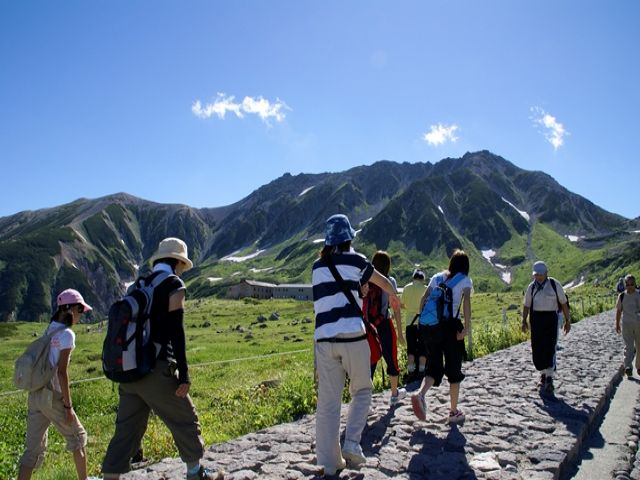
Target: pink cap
x,y
71,296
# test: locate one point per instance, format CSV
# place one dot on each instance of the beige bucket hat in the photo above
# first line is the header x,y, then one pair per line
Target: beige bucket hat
x,y
172,248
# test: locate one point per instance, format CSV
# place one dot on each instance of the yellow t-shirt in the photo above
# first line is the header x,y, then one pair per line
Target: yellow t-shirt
x,y
411,296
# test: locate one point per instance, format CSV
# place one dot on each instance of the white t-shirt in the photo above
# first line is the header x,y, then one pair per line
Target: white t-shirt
x,y
63,340
456,291
544,296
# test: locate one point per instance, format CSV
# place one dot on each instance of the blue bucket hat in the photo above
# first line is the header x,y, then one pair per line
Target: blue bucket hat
x,y
338,230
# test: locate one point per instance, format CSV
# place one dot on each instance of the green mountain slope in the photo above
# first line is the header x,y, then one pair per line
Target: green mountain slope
x,y
504,216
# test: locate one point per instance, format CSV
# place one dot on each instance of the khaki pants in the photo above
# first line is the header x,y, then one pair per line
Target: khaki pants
x,y
45,408
334,361
157,392
631,337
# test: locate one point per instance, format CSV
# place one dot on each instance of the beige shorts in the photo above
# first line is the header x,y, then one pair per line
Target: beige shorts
x,y
46,408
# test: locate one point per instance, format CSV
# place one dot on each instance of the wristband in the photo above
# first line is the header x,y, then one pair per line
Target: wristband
x,y
68,407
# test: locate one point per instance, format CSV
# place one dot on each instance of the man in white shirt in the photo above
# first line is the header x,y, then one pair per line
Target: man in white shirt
x,y
543,297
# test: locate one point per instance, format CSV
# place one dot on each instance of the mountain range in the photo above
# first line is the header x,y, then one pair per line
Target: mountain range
x,y
503,216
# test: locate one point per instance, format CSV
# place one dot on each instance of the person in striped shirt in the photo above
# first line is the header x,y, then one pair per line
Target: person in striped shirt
x,y
341,346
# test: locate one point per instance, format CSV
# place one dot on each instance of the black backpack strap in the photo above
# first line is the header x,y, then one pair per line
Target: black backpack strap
x,y
555,289
341,283
533,292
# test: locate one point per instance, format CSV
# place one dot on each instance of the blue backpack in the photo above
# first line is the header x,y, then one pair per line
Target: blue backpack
x,y
439,306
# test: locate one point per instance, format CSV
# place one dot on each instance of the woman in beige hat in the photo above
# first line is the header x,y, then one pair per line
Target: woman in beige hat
x,y
166,389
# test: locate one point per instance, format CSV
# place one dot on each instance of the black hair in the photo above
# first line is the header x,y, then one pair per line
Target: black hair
x,y
418,275
382,262
459,263
329,249
63,314
172,262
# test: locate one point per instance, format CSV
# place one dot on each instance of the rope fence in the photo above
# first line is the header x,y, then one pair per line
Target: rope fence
x,y
195,365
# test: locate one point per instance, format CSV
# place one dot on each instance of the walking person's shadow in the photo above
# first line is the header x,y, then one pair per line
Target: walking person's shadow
x,y
573,418
440,458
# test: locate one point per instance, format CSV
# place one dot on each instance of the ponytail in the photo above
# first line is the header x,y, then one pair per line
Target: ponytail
x,y
63,314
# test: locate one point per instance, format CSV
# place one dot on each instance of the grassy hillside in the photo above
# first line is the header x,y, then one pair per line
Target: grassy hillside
x,y
246,374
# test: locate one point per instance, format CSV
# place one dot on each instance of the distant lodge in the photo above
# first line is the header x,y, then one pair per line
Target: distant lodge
x,y
250,288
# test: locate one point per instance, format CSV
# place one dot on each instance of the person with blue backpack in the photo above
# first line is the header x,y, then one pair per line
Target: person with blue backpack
x,y
442,332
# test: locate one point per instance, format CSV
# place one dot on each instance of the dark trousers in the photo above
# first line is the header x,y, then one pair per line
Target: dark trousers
x,y
444,351
157,392
389,343
544,336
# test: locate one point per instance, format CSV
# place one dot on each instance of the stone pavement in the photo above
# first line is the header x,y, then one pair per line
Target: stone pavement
x,y
511,432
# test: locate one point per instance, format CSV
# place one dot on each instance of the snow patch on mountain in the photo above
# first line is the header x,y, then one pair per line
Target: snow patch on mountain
x,y
259,270
488,254
233,258
524,214
572,284
505,274
306,190
574,238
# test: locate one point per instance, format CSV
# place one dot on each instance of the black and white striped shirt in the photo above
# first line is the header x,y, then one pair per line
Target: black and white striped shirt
x,y
334,313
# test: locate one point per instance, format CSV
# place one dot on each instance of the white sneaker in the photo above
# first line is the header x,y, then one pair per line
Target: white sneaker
x,y
395,399
342,464
352,452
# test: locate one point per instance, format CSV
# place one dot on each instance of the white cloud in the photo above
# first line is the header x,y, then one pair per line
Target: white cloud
x,y
220,107
225,103
440,134
553,130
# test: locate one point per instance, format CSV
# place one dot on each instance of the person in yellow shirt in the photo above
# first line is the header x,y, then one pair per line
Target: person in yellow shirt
x,y
411,297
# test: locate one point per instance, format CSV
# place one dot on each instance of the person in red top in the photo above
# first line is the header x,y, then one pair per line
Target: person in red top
x,y
376,309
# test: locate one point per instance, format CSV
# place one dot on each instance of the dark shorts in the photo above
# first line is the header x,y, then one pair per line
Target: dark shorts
x,y
444,351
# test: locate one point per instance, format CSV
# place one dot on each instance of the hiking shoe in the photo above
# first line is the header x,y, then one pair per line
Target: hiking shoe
x,y
548,385
456,416
206,474
352,452
628,372
395,399
138,457
419,405
543,380
342,464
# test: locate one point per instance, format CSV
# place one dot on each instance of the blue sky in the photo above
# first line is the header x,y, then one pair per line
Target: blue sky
x,y
202,102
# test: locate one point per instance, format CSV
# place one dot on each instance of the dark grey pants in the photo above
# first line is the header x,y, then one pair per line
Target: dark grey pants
x,y
157,392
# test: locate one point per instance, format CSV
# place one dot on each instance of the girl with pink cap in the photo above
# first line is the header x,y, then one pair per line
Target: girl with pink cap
x,y
52,404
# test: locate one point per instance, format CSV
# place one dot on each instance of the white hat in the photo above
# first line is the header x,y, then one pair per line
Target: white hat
x,y
539,268
172,248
